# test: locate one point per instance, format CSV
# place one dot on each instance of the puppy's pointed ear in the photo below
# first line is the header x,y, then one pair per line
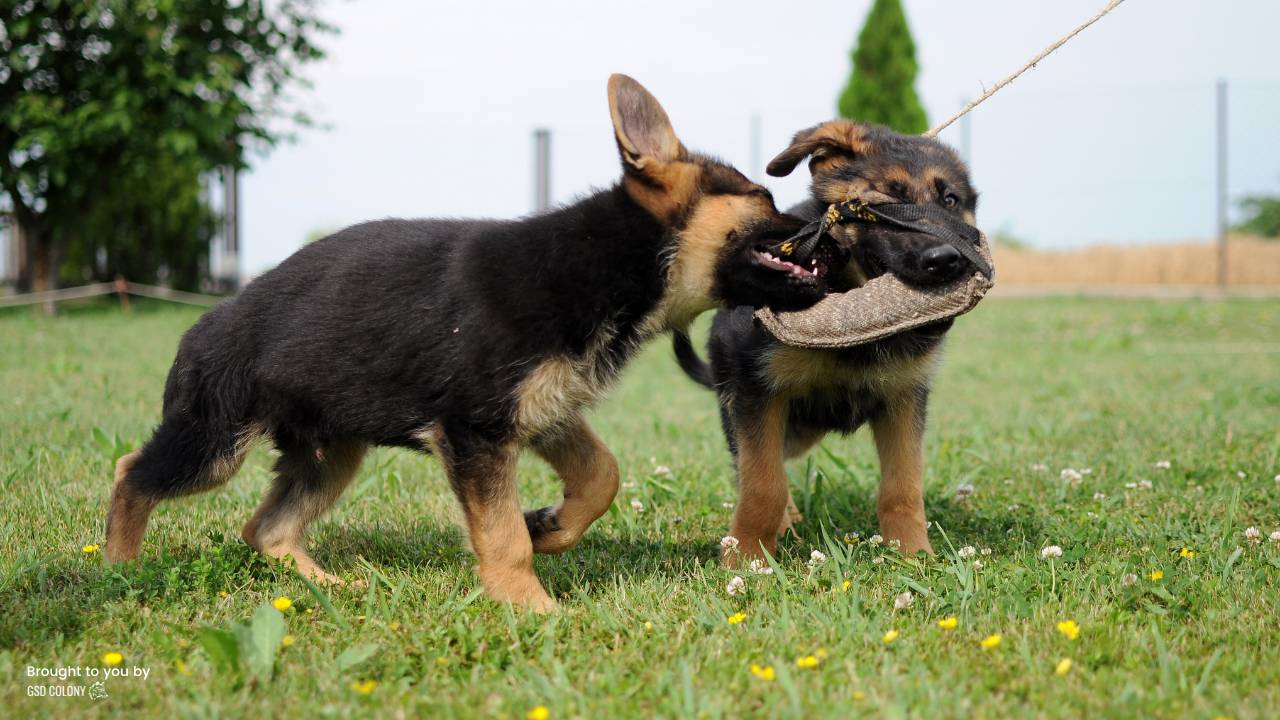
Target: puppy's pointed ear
x,y
641,126
833,137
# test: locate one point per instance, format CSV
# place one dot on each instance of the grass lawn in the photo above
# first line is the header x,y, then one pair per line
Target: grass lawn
x,y
1103,387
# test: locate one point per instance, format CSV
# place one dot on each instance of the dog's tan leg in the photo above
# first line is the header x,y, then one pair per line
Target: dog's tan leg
x,y
899,436
307,483
483,476
590,475
762,482
127,515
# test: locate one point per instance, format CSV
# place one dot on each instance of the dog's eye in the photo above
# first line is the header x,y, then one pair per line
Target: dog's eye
x,y
949,201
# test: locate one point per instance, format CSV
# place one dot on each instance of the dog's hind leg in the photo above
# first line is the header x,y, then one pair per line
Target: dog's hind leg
x,y
483,476
899,436
590,475
183,457
308,481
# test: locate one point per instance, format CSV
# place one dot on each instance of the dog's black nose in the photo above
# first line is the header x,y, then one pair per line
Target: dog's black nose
x,y
942,262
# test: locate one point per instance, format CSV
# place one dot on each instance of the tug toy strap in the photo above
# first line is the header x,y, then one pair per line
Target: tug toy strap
x,y
926,219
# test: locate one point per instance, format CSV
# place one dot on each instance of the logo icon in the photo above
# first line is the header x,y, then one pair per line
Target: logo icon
x,y
98,691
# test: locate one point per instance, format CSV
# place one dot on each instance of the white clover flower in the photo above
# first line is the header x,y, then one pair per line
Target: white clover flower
x,y
817,557
895,543
1091,515
967,551
1144,485
1053,551
1163,465
628,485
637,505
726,505
662,471
852,537
729,542
1128,579
977,564
1253,535
877,560
1013,508
903,601
1071,475
1275,536
875,539
736,585
964,490
1039,467
1240,474
1278,479
759,567
1087,471
986,551
1099,496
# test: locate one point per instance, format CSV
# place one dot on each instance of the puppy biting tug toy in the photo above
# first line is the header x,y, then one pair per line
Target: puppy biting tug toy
x,y
885,305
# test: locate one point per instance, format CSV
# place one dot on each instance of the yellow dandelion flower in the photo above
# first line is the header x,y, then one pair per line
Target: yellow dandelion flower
x,y
890,636
821,653
990,641
949,623
282,603
1069,628
394,626
648,625
847,584
539,713
1063,667
224,594
807,662
90,549
859,695
112,658
287,640
1187,553
1157,575
364,687
736,618
181,667
442,661
764,672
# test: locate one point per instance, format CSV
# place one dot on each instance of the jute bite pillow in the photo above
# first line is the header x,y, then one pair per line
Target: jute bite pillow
x,y
882,307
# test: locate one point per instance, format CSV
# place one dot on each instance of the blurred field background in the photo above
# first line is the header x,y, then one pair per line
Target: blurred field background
x,y
1254,266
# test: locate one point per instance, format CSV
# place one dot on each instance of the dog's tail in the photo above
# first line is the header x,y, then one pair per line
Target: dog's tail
x,y
692,365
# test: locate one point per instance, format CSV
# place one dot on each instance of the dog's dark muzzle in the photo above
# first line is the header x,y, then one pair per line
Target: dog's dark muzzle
x,y
958,235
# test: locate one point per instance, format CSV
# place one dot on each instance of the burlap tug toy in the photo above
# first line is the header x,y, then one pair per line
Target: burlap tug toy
x,y
885,305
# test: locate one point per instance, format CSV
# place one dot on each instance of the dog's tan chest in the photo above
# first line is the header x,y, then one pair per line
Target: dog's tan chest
x,y
793,371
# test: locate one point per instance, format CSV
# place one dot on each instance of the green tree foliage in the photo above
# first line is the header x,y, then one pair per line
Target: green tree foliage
x,y
882,87
1262,216
110,111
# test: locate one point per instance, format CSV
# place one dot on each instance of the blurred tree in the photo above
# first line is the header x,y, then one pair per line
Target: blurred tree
x,y
110,111
1262,216
882,87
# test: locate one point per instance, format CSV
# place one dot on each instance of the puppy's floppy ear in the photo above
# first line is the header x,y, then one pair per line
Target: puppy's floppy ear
x,y
641,126
835,136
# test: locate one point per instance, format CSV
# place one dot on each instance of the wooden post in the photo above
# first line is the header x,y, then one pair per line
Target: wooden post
x,y
541,169
1222,183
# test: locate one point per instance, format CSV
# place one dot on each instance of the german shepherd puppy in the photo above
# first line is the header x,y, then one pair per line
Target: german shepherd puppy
x,y
778,401
469,340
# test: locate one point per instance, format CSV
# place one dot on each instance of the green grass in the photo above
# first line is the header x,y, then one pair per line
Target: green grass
x,y
1111,386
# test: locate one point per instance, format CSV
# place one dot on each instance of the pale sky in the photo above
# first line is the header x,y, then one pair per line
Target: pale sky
x,y
430,106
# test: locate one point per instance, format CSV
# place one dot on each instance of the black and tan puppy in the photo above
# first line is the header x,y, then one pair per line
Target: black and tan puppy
x,y
778,401
467,339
